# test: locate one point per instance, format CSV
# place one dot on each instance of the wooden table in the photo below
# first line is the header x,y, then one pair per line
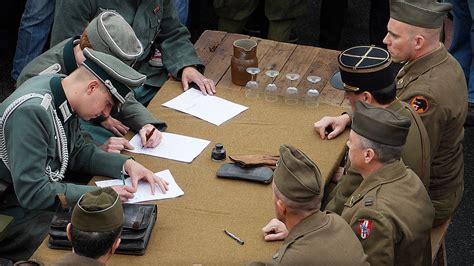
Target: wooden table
x,y
189,229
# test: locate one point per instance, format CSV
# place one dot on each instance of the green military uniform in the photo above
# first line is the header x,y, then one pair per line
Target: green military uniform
x,y
435,86
233,15
416,152
133,114
390,211
322,238
40,139
74,259
155,23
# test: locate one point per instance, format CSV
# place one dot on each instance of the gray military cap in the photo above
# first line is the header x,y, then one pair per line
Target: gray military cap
x,y
111,34
423,13
296,176
118,77
380,125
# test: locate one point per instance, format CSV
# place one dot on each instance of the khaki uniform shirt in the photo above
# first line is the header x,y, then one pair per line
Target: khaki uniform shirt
x,y
416,155
323,239
391,213
31,146
436,87
132,113
74,259
155,23
274,10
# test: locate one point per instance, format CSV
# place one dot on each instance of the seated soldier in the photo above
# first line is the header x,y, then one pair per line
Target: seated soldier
x,y
40,139
94,230
108,33
314,237
390,211
367,76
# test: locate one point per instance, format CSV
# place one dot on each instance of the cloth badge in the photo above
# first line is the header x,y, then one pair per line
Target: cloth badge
x,y
420,104
365,228
156,9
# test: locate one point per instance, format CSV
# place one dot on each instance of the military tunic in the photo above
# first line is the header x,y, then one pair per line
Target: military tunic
x,y
391,214
435,86
416,155
133,114
31,146
74,259
155,22
322,238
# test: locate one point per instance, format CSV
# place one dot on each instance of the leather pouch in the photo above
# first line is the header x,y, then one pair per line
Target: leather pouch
x,y
261,174
138,222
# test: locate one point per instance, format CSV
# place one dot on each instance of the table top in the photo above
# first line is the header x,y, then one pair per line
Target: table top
x,y
189,228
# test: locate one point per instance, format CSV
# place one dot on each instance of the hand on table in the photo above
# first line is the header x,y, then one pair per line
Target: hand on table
x,y
138,172
125,192
275,230
331,127
190,74
116,145
115,126
150,136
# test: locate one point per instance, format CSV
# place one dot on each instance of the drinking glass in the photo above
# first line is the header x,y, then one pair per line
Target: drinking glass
x,y
271,91
251,88
291,95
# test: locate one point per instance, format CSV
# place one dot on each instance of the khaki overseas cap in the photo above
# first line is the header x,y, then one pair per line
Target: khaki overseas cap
x,y
296,176
365,68
98,211
380,125
424,13
118,77
109,33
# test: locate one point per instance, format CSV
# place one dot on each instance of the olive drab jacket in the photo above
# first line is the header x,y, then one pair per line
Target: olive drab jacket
x,y
132,113
323,239
391,214
155,22
32,146
416,155
435,86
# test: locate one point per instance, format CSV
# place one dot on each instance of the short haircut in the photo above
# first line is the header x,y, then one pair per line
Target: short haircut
x,y
385,153
383,96
93,244
84,41
298,207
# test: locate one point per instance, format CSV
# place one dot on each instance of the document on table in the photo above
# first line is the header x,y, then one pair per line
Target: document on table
x,y
209,108
143,191
173,146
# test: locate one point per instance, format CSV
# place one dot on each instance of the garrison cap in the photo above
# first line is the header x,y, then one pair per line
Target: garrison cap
x,y
423,13
118,77
365,68
98,211
380,125
109,33
296,176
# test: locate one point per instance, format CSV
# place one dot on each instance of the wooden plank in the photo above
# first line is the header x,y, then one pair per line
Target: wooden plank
x,y
220,62
207,44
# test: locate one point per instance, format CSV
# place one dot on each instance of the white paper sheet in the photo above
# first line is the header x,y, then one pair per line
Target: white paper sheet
x,y
143,191
173,146
212,109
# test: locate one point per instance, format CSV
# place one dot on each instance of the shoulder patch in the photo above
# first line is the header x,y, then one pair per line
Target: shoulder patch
x,y
420,104
365,228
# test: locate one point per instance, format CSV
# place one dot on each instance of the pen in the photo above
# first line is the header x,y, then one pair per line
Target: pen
x,y
123,178
148,136
240,241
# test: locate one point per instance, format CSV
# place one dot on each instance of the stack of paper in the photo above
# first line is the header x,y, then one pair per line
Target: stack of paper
x,y
209,108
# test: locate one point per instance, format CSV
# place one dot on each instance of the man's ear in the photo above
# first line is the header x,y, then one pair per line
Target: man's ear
x,y
369,155
419,41
92,86
367,97
68,231
115,245
281,207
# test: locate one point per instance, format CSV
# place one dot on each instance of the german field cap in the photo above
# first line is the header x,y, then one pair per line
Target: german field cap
x,y
365,68
296,176
425,13
109,33
380,125
98,211
118,77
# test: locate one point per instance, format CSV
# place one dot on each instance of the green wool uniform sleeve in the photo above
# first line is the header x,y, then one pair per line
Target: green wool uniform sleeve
x,y
134,115
177,50
344,189
71,17
27,133
90,159
379,241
